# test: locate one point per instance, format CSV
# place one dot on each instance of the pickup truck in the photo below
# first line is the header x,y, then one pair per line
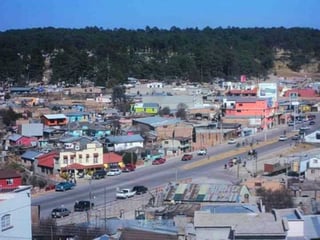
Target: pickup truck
x,y
125,193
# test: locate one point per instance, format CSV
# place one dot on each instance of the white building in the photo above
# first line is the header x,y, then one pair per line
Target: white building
x,y
15,214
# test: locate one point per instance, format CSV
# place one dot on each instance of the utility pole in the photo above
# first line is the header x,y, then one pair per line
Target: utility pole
x,y
105,209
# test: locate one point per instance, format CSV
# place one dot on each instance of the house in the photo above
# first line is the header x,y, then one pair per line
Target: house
x,y
54,119
78,116
31,130
121,143
9,180
301,93
23,141
44,163
112,159
209,193
29,157
87,157
313,172
149,108
15,214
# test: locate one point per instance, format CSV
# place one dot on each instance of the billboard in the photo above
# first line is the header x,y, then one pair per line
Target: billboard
x,y
268,90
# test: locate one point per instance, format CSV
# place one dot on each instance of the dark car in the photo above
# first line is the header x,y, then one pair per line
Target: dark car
x,y
140,189
312,123
158,161
60,212
296,137
99,174
81,206
64,186
186,157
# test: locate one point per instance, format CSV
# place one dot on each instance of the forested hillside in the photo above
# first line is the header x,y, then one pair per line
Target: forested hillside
x,y
109,56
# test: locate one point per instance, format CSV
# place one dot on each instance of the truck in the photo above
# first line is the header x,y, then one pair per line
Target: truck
x,y
125,193
275,168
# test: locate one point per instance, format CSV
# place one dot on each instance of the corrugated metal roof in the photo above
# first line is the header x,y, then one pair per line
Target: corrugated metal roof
x,y
157,121
30,155
55,116
32,129
14,137
126,138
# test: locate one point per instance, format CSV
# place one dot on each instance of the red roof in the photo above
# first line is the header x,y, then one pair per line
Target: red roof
x,y
47,160
111,158
9,173
306,92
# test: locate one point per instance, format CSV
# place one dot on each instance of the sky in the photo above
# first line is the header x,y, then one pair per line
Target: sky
x,y
163,14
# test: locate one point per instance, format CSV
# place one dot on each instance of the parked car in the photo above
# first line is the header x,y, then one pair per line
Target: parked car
x,y
186,157
64,186
60,212
283,138
202,151
290,124
99,174
114,172
129,168
232,141
83,205
158,161
139,189
312,122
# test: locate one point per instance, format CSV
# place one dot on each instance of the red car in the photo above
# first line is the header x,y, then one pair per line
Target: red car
x,y
186,157
129,168
158,161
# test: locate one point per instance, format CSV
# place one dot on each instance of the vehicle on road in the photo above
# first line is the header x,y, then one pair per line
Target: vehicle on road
x,y
312,122
296,137
99,174
64,186
60,212
129,168
81,206
290,124
202,152
186,157
232,141
139,189
158,161
304,128
125,193
283,138
114,172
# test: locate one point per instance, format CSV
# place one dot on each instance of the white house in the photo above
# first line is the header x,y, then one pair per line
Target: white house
x,y
15,214
121,143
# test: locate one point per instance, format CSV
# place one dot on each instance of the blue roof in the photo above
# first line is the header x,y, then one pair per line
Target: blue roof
x,y
125,139
311,226
157,121
31,155
14,137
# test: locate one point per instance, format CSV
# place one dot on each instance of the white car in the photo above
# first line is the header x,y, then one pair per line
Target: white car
x,y
283,138
114,172
232,141
202,151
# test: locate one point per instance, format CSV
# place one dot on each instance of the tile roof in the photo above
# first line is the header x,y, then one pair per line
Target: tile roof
x,y
111,158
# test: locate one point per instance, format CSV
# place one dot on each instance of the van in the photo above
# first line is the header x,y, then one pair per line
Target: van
x,y
139,189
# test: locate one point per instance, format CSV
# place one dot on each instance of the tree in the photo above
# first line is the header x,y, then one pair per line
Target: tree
x,y
164,111
9,116
129,158
277,199
181,111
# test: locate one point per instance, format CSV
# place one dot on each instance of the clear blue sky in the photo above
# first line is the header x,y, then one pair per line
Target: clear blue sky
x,y
134,14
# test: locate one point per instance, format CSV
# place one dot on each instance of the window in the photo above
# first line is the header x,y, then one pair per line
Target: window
x,y
315,160
166,142
65,160
238,110
6,222
9,181
240,104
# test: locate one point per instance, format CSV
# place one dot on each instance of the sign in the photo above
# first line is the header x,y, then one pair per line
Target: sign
x,y
268,90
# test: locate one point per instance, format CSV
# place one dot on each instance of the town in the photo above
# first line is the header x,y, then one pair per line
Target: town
x,y
74,136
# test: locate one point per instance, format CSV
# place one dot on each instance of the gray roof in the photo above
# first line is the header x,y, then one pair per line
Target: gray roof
x,y
32,129
233,208
125,139
151,105
70,114
312,226
30,155
55,116
157,121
